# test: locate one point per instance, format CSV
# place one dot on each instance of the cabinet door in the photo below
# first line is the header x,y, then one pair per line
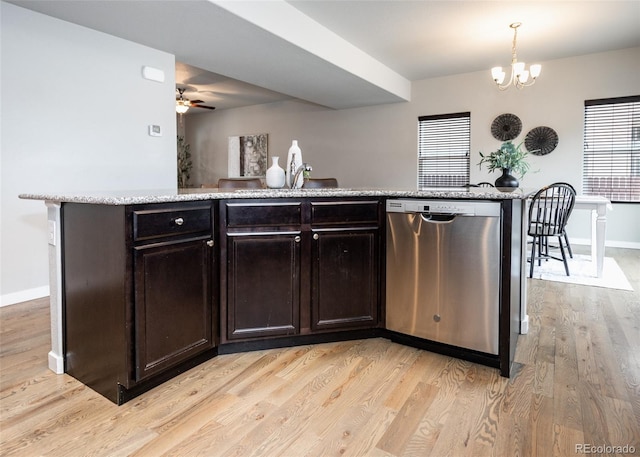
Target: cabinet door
x,y
263,285
173,304
344,284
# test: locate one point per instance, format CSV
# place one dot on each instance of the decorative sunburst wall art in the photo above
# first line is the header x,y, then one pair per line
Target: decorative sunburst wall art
x,y
506,127
541,140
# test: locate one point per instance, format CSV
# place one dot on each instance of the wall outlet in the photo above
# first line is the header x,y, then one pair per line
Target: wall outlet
x,y
52,233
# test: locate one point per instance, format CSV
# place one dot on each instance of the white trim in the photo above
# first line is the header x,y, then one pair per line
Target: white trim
x,y
56,355
24,295
608,243
56,363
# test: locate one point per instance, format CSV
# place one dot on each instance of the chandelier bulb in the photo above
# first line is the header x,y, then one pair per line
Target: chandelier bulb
x,y
535,70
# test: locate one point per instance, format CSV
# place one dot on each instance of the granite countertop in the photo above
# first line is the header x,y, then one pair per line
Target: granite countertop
x,y
171,195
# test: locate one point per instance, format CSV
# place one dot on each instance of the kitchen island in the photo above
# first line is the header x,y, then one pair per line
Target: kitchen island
x,y
147,284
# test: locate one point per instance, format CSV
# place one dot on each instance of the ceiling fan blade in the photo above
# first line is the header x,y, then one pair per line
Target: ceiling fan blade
x,y
203,106
196,102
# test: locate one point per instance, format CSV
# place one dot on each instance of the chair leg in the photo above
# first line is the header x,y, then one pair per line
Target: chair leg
x,y
533,257
566,239
564,256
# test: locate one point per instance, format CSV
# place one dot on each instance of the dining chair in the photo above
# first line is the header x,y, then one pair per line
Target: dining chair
x,y
317,183
549,213
240,183
566,237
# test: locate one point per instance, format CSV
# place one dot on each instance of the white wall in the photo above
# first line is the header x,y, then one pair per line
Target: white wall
x,y
377,146
75,111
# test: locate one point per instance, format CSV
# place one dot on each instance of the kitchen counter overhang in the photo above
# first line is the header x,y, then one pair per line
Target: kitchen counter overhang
x,y
135,197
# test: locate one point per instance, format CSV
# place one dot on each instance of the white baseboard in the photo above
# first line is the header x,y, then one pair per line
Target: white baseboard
x,y
24,295
608,243
56,363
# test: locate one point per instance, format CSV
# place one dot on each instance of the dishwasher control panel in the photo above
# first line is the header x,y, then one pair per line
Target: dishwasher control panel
x,y
463,208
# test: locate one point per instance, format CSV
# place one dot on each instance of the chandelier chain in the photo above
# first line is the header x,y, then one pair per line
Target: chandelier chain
x,y
514,57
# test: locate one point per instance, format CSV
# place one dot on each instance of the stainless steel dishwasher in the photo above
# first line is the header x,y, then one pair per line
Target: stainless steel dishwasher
x,y
443,271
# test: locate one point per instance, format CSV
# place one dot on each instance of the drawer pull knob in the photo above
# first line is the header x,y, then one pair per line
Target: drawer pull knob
x,y
316,236
297,239
210,243
179,221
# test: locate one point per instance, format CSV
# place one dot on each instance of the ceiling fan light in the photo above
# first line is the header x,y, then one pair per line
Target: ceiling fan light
x,y
181,108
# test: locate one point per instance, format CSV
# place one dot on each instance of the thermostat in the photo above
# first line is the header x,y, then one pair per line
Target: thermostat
x,y
155,130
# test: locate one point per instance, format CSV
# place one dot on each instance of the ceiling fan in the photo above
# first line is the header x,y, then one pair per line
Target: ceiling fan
x,y
183,104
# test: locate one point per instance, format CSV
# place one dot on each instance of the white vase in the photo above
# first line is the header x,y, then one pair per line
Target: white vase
x,y
294,161
275,175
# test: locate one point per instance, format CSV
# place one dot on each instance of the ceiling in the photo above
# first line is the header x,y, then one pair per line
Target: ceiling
x,y
343,54
220,91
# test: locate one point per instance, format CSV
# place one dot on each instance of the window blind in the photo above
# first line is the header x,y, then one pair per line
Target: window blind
x,y
444,142
611,158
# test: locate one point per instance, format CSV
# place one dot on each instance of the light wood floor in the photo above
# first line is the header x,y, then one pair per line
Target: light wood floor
x,y
576,380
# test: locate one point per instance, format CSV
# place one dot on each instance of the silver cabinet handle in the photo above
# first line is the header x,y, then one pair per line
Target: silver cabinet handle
x,y
210,243
179,221
316,236
297,239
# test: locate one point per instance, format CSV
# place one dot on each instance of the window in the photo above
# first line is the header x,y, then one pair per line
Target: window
x,y
443,150
611,165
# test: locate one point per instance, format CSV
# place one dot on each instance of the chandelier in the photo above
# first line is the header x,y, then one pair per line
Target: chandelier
x,y
519,76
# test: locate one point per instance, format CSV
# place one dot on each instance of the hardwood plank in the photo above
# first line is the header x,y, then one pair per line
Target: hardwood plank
x,y
541,425
408,418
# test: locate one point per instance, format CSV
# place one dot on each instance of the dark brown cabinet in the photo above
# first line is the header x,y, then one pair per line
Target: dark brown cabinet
x,y
263,284
344,284
139,293
345,268
303,266
261,268
172,305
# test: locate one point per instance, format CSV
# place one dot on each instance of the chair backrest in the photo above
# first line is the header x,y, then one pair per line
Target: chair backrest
x,y
550,209
239,183
315,183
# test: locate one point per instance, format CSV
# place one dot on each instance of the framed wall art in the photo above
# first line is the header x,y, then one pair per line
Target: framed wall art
x,y
248,155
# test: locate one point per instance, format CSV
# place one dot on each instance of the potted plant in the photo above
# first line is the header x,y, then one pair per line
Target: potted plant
x,y
184,162
509,158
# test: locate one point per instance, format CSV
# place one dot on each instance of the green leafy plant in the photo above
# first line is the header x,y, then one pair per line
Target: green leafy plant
x,y
184,162
509,156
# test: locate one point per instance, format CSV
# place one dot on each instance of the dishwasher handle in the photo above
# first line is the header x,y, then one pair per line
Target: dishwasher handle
x,y
438,218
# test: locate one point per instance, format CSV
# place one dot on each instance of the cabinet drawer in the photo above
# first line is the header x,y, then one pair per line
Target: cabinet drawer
x,y
263,214
155,223
345,213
